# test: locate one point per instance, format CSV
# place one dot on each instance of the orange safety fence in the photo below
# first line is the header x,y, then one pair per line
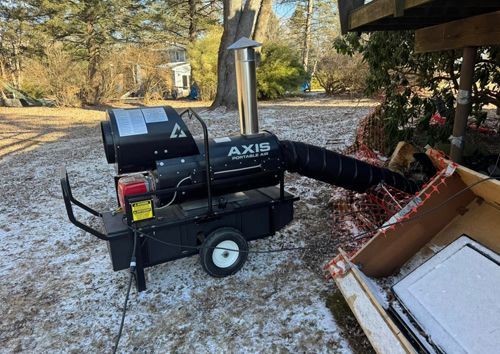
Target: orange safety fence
x,y
357,217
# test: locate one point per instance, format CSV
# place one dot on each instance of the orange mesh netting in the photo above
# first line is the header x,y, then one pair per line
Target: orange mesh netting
x,y
356,216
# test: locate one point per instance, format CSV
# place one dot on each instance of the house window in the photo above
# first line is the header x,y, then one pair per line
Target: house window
x,y
185,81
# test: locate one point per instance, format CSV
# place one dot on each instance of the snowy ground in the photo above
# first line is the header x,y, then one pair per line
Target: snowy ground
x,y
59,294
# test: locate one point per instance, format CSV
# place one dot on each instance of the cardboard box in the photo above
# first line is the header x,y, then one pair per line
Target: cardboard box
x,y
456,202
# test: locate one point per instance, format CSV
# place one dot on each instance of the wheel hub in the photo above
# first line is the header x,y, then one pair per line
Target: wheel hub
x,y
223,255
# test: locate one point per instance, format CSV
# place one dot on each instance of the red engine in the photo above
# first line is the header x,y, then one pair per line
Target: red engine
x,y
133,184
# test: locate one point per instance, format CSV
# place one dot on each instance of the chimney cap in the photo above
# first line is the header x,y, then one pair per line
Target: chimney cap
x,y
244,42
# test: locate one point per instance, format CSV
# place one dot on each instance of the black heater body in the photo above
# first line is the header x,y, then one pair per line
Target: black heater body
x,y
237,163
166,149
196,200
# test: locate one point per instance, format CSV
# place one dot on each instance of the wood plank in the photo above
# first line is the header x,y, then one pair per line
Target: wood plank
x,y
379,333
399,8
380,309
385,253
488,190
378,9
481,223
414,3
345,8
373,11
472,31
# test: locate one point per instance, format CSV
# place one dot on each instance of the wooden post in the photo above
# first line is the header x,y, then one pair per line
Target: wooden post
x,y
399,8
463,104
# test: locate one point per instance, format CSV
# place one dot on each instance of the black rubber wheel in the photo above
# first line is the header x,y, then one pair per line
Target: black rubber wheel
x,y
216,256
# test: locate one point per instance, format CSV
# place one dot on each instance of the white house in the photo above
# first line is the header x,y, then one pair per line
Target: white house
x,y
176,56
174,59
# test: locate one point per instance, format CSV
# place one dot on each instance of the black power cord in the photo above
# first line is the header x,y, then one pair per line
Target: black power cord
x,y
124,311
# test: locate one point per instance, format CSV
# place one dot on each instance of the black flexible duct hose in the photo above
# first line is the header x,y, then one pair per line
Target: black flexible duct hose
x,y
343,171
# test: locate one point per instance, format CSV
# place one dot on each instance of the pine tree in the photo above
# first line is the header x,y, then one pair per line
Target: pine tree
x,y
89,28
19,38
182,21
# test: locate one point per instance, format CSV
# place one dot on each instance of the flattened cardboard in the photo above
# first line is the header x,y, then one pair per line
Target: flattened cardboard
x,y
385,253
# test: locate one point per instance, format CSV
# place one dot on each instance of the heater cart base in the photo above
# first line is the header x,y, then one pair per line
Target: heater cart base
x,y
256,214
180,230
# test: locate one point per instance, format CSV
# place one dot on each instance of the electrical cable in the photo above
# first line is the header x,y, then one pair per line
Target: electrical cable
x,y
496,165
356,237
124,311
175,194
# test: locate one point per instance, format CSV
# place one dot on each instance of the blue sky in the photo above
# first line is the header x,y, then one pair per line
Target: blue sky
x,y
284,11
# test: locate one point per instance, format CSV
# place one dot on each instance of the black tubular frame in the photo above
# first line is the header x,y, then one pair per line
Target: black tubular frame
x,y
208,166
69,200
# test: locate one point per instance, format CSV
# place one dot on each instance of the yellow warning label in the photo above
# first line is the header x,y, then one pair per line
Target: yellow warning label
x,y
142,210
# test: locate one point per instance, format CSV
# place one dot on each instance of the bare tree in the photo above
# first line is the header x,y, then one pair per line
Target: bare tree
x,y
313,27
307,34
16,38
193,23
242,18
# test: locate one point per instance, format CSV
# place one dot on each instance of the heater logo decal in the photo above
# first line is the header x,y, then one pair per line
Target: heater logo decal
x,y
177,132
249,151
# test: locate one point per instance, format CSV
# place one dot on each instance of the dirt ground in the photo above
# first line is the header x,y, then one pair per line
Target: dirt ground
x,y
59,294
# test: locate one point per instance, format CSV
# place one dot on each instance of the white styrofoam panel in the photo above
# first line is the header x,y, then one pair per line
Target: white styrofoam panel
x,y
455,297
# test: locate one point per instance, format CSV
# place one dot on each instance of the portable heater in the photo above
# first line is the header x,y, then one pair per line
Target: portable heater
x,y
178,196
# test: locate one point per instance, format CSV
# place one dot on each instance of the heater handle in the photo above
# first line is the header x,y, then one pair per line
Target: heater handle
x,y
192,113
69,200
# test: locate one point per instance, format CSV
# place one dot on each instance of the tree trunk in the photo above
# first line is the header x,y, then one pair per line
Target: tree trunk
x,y
2,70
232,13
307,34
16,75
238,22
193,26
247,19
3,96
244,29
260,33
94,57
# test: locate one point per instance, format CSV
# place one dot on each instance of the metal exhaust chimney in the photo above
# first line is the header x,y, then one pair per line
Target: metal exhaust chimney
x,y
244,54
